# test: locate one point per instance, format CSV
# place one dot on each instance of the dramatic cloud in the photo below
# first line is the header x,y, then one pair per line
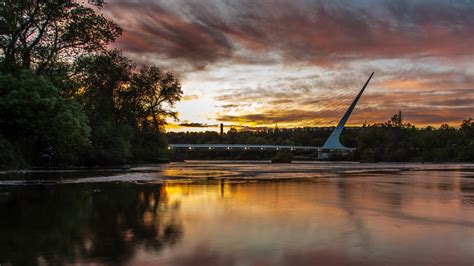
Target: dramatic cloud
x,y
196,125
318,32
424,100
253,62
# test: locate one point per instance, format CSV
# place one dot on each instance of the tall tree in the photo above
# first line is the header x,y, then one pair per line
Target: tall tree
x,y
44,34
151,96
102,78
126,106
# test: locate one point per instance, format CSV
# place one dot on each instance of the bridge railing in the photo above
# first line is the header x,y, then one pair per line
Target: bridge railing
x,y
241,147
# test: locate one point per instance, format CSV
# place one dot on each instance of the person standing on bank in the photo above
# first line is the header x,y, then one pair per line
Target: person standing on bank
x,y
47,156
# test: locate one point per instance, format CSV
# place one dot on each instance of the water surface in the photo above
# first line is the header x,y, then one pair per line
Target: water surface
x,y
207,213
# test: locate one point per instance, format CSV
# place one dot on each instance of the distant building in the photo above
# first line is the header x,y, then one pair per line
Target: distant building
x,y
222,129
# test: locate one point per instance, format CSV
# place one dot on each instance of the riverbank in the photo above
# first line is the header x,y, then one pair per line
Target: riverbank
x,y
197,171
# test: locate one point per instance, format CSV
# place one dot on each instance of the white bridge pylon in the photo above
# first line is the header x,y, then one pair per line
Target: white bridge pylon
x,y
333,143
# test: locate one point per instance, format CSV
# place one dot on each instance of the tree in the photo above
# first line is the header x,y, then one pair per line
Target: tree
x,y
33,113
113,88
53,59
466,149
467,128
397,120
127,107
102,78
45,35
150,97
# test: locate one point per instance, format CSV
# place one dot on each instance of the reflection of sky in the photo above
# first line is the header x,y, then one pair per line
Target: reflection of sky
x,y
370,219
297,63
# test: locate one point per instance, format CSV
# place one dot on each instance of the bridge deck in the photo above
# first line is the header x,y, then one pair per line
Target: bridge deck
x,y
240,147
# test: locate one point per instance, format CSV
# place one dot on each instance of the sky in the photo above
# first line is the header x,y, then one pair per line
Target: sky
x,y
299,63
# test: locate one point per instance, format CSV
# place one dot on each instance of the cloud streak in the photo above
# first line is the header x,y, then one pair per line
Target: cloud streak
x,y
300,62
316,32
203,125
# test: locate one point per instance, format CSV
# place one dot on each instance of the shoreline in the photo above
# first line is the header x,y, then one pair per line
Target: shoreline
x,y
210,171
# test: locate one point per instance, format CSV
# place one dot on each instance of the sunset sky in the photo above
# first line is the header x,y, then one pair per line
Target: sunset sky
x,y
299,63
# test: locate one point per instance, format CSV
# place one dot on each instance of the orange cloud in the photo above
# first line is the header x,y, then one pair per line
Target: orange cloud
x,y
432,40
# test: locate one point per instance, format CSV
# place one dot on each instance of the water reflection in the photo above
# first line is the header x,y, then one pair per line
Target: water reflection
x,y
74,223
413,218
408,217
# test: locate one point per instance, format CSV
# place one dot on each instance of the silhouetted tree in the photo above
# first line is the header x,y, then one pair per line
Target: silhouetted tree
x,y
150,97
127,106
45,35
55,70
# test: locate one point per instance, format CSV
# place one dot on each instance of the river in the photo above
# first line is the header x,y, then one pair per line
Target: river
x,y
240,213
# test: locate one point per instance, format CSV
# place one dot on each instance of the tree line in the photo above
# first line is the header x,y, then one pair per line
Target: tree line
x,y
391,141
61,85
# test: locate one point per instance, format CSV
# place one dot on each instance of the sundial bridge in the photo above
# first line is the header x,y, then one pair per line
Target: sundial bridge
x,y
331,145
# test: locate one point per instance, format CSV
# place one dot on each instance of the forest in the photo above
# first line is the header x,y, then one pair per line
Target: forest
x,y
391,141
64,89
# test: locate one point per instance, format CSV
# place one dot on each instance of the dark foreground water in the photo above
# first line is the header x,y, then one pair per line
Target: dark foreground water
x,y
241,214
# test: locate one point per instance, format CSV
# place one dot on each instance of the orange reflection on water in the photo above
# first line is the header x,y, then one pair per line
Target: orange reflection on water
x,y
402,218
